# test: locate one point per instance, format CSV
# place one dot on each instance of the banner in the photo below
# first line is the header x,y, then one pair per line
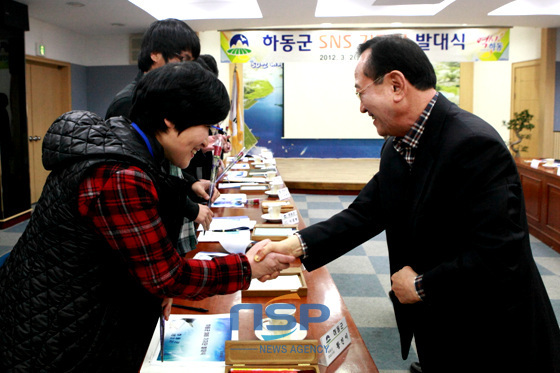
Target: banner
x,y
325,46
236,114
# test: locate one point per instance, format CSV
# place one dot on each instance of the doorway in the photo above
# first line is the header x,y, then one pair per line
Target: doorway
x,y
48,86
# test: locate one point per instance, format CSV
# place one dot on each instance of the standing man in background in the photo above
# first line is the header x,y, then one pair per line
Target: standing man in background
x,y
464,281
170,41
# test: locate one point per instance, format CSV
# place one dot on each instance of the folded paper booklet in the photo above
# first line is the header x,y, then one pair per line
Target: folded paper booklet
x,y
193,341
291,280
230,200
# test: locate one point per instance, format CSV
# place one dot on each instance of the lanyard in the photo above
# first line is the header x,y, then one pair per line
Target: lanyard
x,y
144,137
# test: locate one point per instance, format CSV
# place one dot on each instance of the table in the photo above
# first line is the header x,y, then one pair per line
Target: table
x,y
321,290
541,188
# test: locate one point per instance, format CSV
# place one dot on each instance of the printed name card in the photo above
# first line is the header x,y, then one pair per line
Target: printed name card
x,y
290,218
335,340
535,163
283,194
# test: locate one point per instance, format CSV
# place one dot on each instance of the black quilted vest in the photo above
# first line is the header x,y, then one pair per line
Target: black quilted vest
x,y
67,301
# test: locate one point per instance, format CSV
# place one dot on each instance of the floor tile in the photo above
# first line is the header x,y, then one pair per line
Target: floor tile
x,y
351,264
552,284
321,213
385,349
550,263
358,285
371,311
321,205
380,264
375,247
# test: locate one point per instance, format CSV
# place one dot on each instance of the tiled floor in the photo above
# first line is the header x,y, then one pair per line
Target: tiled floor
x,y
368,266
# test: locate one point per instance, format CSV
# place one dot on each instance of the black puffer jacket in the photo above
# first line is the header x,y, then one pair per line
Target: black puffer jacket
x,y
67,302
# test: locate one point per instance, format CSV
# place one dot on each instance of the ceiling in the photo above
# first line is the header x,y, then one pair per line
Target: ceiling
x,y
111,17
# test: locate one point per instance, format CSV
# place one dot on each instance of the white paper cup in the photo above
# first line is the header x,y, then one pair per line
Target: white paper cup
x,y
274,211
274,187
270,175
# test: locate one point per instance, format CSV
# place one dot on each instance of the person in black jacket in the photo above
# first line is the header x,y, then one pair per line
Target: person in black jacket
x,y
448,195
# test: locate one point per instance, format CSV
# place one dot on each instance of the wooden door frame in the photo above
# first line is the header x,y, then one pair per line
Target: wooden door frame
x,y
514,66
67,89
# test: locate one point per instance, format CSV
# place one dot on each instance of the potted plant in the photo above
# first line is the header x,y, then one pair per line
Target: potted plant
x,y
521,121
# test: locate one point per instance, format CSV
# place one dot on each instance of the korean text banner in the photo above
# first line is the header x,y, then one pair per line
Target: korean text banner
x,y
441,45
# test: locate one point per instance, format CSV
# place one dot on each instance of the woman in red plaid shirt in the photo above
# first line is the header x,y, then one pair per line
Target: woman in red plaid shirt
x,y
83,288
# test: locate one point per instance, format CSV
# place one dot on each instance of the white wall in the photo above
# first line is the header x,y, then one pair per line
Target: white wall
x,y
68,46
210,44
492,80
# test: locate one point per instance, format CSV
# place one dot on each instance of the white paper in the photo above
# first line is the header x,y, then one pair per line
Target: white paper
x,y
236,244
535,163
272,232
246,179
229,222
229,185
230,200
254,187
232,174
206,255
291,282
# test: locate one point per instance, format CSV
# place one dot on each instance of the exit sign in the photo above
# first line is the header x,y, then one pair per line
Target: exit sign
x,y
40,49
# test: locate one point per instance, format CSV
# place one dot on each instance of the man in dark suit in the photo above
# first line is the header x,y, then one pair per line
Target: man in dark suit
x,y
448,195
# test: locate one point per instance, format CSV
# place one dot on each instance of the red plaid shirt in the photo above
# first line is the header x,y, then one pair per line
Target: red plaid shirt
x,y
121,202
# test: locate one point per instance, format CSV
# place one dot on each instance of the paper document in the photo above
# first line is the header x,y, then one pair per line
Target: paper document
x,y
279,283
230,200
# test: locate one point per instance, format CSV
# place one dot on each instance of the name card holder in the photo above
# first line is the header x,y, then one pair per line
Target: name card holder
x,y
337,339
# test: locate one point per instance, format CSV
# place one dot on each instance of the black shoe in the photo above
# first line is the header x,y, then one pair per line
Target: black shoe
x,y
415,368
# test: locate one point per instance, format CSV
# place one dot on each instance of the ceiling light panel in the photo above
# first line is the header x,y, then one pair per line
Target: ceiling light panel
x,y
200,9
527,8
353,8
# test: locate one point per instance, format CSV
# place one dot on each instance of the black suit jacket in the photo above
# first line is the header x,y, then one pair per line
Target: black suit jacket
x,y
458,217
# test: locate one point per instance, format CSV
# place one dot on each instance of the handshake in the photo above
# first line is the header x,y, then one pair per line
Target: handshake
x,y
268,258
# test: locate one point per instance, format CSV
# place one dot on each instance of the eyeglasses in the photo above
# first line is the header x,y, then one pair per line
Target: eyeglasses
x,y
379,80
183,58
359,93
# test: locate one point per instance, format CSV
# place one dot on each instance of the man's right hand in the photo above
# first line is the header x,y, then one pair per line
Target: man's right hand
x,y
289,246
268,268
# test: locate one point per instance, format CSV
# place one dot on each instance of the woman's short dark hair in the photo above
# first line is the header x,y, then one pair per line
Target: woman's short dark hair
x,y
184,93
210,62
168,37
395,52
